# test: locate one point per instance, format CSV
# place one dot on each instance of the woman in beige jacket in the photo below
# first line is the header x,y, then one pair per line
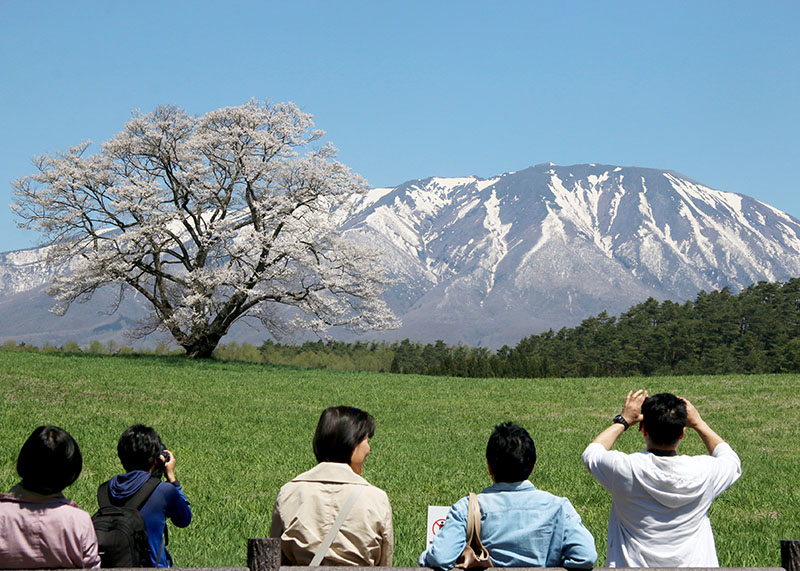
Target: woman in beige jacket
x,y
308,507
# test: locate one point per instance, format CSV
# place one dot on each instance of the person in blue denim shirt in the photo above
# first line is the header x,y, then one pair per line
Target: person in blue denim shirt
x,y
520,525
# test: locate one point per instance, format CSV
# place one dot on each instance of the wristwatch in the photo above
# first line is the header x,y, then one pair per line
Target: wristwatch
x,y
619,419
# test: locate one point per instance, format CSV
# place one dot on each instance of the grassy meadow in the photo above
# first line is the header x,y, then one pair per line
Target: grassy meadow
x,y
239,431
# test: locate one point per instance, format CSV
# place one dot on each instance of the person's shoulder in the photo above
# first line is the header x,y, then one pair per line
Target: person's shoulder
x,y
723,449
372,488
596,451
722,458
297,483
547,496
81,515
287,488
67,510
168,491
462,505
597,448
9,499
550,498
165,488
376,493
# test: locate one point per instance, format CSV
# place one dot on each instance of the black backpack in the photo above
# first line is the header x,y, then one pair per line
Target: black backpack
x,y
120,528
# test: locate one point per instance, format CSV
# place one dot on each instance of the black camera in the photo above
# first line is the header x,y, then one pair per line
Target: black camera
x,y
165,454
161,460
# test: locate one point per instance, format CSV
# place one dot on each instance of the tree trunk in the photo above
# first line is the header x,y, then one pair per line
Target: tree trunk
x,y
201,347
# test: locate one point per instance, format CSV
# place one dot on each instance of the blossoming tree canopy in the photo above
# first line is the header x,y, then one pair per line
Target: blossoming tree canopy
x,y
211,219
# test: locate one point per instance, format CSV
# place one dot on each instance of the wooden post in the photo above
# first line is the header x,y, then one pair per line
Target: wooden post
x,y
790,554
264,554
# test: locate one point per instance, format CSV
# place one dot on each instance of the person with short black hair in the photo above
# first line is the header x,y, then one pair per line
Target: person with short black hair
x,y
521,526
138,448
144,456
664,419
39,527
308,506
659,512
510,453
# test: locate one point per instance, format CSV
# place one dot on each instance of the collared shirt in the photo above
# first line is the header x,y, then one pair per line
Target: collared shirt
x,y
306,508
48,532
659,508
520,526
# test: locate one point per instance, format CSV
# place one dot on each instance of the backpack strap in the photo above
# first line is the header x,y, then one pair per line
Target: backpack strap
x,y
103,499
138,499
135,501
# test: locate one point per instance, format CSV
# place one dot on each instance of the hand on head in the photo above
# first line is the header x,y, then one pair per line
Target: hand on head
x,y
632,409
693,419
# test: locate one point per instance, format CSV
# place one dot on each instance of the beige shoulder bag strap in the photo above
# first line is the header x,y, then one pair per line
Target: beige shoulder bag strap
x,y
475,555
326,543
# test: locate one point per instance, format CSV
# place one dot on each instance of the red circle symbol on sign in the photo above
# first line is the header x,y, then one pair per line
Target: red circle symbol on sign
x,y
437,525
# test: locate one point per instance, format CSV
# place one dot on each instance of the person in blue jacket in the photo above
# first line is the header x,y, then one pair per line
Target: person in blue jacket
x,y
521,526
143,456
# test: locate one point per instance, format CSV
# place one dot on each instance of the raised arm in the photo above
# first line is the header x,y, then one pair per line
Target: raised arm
x,y
631,412
178,510
710,438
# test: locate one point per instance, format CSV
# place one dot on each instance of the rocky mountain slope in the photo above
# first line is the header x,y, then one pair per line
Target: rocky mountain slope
x,y
489,261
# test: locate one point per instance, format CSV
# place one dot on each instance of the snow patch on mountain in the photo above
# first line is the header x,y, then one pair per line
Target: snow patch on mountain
x,y
496,239
488,261
703,243
552,227
399,232
464,210
483,184
373,195
23,270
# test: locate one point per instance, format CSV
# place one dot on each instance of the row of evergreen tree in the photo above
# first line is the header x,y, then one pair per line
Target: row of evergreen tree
x,y
755,331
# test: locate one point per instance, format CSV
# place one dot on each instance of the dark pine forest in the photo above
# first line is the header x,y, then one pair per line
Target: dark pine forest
x,y
755,331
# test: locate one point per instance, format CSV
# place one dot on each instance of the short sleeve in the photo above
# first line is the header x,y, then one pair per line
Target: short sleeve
x,y
728,467
601,463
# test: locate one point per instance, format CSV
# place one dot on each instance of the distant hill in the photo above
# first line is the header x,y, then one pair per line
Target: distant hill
x,y
489,261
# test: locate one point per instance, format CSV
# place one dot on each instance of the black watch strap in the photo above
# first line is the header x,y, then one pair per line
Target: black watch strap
x,y
619,419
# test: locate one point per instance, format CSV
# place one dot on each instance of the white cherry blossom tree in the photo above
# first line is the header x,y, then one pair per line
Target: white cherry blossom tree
x,y
212,219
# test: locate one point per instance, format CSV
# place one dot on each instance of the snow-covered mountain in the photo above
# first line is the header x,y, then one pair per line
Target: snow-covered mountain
x,y
489,261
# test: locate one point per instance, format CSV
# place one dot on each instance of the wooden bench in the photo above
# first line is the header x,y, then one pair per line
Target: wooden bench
x,y
265,555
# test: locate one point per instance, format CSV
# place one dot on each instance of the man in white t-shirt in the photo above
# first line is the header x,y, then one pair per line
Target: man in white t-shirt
x,y
660,500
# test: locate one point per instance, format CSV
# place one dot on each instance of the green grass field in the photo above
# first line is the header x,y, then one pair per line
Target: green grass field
x,y
240,431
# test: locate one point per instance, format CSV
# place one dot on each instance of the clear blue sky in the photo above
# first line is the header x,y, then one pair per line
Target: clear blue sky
x,y
421,88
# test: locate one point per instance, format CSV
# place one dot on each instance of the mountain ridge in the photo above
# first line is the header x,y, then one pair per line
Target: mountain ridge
x,y
487,261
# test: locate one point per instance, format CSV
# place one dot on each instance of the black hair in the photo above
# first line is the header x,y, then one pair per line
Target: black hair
x,y
339,430
138,447
664,418
49,461
510,453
